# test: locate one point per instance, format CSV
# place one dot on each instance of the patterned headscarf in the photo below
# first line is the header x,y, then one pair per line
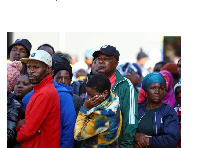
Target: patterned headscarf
x,y
13,72
153,77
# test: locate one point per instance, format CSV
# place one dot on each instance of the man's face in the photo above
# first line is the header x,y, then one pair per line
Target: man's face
x,y
37,71
63,76
106,64
17,52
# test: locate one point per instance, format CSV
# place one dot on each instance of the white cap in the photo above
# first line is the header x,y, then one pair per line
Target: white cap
x,y
78,66
39,55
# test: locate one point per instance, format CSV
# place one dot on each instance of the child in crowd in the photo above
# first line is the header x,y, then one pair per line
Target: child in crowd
x,y
99,120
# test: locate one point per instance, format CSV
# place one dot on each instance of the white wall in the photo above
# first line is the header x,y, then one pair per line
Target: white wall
x,y
128,43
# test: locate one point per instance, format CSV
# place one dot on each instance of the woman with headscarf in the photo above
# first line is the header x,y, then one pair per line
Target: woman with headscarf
x,y
169,97
158,124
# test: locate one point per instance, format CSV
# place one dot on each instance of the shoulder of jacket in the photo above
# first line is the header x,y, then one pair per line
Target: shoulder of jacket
x,y
167,109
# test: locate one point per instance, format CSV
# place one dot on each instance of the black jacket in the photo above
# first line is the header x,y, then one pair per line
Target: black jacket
x,y
14,113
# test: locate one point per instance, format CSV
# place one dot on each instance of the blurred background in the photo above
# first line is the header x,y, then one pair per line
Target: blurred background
x,y
157,46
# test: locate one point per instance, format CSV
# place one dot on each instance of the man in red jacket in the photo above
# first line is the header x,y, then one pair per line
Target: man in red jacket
x,y
41,127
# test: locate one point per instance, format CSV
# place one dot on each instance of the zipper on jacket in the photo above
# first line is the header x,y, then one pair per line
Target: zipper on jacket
x,y
117,84
141,118
156,124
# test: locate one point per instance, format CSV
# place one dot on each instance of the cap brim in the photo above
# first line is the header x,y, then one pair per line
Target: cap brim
x,y
10,47
96,53
25,60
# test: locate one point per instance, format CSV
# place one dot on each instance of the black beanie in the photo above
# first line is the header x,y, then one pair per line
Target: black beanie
x,y
141,54
61,63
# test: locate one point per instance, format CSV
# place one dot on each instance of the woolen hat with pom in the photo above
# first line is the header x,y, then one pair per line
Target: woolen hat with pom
x,y
13,72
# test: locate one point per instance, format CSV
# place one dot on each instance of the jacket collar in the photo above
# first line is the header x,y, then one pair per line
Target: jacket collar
x,y
119,79
47,79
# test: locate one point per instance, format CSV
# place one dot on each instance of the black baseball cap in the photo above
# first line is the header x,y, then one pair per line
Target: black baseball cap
x,y
23,42
107,50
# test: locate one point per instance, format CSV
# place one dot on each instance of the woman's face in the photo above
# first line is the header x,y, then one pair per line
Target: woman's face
x,y
22,87
155,93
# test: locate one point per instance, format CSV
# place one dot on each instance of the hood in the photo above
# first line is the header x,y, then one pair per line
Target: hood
x,y
60,87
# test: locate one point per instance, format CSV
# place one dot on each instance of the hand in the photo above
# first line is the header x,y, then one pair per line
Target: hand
x,y
136,145
142,140
93,102
21,122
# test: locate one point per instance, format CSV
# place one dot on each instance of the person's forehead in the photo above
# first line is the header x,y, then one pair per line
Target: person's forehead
x,y
23,78
102,54
178,88
156,84
19,46
63,73
36,62
91,90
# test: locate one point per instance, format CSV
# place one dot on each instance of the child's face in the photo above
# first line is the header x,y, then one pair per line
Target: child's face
x,y
92,92
178,94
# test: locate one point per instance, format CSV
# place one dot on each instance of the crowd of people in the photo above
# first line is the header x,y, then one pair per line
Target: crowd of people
x,y
54,103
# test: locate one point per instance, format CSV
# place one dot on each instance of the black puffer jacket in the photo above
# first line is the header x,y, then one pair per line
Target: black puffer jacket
x,y
14,113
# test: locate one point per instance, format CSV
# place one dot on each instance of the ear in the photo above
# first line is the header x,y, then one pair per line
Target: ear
x,y
49,70
106,93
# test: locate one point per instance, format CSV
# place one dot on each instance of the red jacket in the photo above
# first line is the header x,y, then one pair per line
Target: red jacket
x,y
42,113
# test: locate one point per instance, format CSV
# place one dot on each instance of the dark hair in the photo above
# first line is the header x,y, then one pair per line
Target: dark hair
x,y
47,46
99,82
159,65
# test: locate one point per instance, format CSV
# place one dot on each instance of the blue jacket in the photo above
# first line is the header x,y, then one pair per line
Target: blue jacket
x,y
165,125
67,111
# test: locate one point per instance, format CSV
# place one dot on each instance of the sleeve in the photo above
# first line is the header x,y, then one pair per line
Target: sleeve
x,y
88,127
79,104
68,119
129,109
26,99
171,133
34,119
12,118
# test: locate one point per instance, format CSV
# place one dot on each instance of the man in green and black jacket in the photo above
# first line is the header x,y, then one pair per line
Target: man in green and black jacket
x,y
105,62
